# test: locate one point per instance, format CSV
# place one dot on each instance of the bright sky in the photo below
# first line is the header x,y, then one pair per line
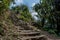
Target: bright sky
x,y
29,3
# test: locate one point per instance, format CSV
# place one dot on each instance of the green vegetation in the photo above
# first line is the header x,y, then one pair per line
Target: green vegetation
x,y
4,6
48,14
23,12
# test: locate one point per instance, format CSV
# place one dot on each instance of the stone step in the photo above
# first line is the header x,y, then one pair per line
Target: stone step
x,y
40,37
19,27
29,33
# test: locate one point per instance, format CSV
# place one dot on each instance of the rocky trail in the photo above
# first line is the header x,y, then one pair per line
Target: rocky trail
x,y
19,33
24,31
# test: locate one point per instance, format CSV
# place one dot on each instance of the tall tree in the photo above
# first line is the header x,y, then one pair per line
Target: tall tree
x,y
57,14
44,9
49,10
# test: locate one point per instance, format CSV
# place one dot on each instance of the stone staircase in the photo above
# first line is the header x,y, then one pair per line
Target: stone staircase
x,y
19,33
31,35
22,31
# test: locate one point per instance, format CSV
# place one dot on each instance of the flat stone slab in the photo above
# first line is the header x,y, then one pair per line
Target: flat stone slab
x,y
40,37
29,33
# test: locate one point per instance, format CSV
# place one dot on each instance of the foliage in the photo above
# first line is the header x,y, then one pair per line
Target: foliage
x,y
4,5
23,12
48,14
44,10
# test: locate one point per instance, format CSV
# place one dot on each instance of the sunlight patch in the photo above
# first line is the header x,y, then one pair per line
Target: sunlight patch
x,y
33,4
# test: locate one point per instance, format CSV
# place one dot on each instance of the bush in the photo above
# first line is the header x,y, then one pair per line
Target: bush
x,y
24,18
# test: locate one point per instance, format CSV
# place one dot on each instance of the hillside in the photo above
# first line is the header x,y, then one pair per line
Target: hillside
x,y
30,20
18,30
22,30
